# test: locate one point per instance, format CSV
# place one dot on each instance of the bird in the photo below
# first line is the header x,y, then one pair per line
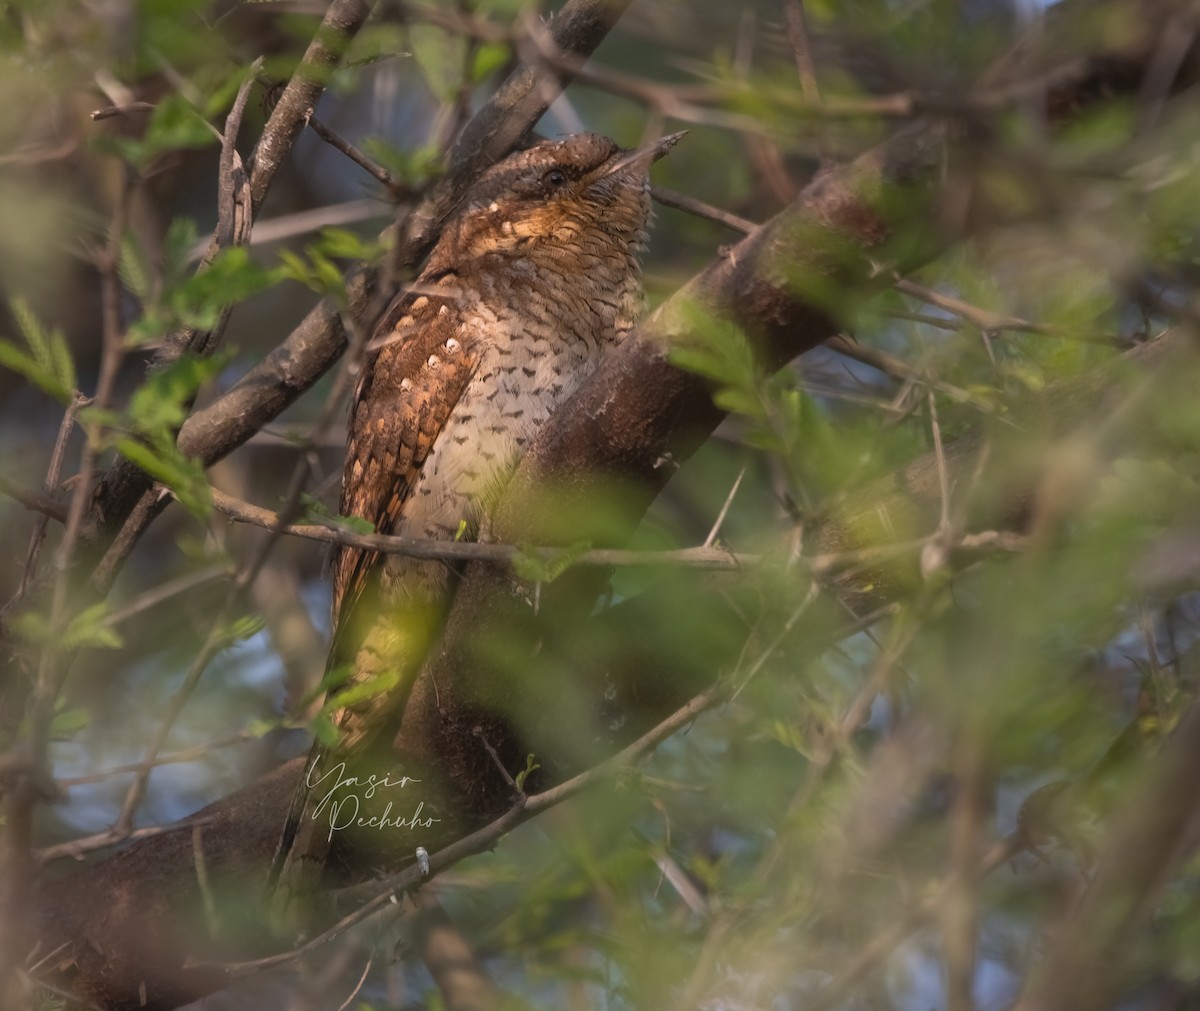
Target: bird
x,y
534,277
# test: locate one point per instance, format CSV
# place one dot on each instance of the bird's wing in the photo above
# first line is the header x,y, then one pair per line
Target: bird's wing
x,y
405,395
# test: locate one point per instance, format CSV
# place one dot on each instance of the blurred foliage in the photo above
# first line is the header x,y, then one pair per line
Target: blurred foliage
x,y
879,671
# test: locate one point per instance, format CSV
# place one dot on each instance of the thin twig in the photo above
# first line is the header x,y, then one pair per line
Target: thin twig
x,y
359,157
357,986
172,758
716,527
797,30
49,486
77,849
683,202
244,512
994,322
896,367
35,501
495,757
166,591
121,110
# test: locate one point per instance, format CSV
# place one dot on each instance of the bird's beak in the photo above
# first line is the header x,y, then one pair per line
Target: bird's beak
x,y
643,156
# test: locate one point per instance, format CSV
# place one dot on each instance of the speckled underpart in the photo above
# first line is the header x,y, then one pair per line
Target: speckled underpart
x,y
536,276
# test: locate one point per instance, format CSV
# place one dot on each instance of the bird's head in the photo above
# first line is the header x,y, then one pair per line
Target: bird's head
x,y
557,196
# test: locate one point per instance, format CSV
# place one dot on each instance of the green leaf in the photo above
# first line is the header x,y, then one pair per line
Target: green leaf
x,y
174,125
31,626
717,351
132,268
316,510
413,168
364,691
324,729
738,402
354,524
320,273
530,767
178,244
197,299
16,360
245,627
489,57
545,567
230,278
440,56
260,728
160,404
164,463
88,628
68,722
49,366
342,243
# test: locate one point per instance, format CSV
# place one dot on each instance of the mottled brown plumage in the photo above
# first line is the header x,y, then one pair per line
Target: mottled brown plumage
x,y
534,277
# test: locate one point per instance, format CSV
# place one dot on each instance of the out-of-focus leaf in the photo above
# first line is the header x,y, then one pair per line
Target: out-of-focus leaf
x,y
545,568
488,59
163,462
174,125
48,364
440,55
373,687
69,722
161,402
88,628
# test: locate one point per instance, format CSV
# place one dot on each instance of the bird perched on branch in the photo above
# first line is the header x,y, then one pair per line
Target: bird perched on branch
x,y
534,277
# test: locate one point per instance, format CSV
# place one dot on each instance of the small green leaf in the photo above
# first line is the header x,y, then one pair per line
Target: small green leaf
x,y
324,729
13,358
364,691
49,365
88,628
320,273
440,55
178,244
164,463
31,626
174,125
488,58
548,566
68,722
530,767
316,510
160,404
245,627
132,268
260,728
344,244
230,278
354,524
411,167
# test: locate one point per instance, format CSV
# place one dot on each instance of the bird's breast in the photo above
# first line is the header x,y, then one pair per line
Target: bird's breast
x,y
533,356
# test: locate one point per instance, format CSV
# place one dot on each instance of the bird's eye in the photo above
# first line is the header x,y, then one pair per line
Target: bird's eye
x,y
553,179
